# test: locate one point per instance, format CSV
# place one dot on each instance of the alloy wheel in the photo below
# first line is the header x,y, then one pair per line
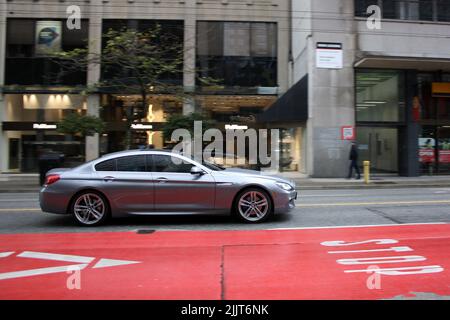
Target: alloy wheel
x,y
89,209
253,206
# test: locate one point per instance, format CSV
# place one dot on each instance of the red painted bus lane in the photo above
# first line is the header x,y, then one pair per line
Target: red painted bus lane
x,y
329,263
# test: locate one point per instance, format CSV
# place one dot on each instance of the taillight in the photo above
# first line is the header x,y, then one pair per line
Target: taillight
x,y
50,179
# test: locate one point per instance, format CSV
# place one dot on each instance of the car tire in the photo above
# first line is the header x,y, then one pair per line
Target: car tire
x,y
253,205
90,209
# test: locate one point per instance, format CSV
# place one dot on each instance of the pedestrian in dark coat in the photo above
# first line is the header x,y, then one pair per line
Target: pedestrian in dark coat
x,y
353,162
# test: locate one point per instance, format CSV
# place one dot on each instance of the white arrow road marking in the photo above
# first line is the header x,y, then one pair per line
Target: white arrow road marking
x,y
41,271
55,257
104,263
82,260
5,254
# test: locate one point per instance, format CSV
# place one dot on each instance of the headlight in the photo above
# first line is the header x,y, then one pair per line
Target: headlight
x,y
285,186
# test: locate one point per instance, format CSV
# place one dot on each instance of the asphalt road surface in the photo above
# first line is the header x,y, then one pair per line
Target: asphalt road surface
x,y
20,213
337,244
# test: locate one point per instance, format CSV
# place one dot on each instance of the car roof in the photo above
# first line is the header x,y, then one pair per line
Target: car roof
x,y
135,152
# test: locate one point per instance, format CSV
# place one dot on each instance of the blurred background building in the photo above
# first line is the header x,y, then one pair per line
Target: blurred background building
x,y
321,71
243,43
388,88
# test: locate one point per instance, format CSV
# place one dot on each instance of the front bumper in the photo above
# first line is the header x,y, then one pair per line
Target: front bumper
x,y
285,202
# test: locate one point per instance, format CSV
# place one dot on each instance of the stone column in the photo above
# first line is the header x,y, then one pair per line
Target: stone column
x,y
93,73
409,135
190,27
3,137
92,142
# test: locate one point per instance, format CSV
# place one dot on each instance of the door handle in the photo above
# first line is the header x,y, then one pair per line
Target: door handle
x,y
108,179
162,180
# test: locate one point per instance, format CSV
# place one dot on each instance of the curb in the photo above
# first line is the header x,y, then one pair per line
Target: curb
x,y
373,186
27,190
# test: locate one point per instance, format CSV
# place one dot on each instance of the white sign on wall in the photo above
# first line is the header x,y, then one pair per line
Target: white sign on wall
x,y
329,55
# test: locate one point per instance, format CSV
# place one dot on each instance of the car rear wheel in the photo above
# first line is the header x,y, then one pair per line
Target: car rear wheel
x,y
90,209
253,205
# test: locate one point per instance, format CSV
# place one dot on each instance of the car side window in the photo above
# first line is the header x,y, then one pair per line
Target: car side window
x,y
108,165
131,164
165,163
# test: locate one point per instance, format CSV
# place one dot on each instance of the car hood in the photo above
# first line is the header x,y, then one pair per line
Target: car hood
x,y
259,174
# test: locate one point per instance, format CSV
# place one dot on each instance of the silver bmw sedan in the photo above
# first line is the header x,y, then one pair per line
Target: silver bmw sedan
x,y
150,182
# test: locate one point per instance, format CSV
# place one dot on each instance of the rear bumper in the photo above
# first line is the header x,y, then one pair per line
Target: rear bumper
x,y
53,201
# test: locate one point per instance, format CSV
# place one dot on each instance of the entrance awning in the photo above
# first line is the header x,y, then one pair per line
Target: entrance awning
x,y
422,64
290,107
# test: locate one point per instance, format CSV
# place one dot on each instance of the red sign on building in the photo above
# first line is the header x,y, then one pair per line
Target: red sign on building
x,y
348,133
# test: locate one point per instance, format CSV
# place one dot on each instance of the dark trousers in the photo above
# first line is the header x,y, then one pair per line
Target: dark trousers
x,y
353,164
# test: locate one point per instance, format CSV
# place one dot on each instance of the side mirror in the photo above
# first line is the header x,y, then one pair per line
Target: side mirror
x,y
197,171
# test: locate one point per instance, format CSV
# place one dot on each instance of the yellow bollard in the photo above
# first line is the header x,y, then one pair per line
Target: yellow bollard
x,y
366,171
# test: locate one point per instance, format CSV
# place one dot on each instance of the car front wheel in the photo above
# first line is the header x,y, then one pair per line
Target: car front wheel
x,y
90,209
253,205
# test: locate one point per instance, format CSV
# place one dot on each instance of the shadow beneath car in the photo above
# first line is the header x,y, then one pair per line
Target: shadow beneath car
x,y
188,222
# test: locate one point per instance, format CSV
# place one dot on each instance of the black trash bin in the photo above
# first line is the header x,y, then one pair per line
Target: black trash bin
x,y
48,161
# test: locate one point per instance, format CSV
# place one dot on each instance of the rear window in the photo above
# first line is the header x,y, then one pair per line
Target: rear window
x,y
124,164
108,165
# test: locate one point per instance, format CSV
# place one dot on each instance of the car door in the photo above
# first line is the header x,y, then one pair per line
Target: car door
x,y
127,183
176,189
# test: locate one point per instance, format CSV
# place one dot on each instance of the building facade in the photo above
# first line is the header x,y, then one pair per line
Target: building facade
x,y
325,72
382,83
245,44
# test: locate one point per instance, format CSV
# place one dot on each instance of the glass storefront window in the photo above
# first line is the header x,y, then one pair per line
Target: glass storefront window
x,y
362,5
379,96
238,53
379,146
443,12
432,107
169,38
26,143
434,149
443,108
427,150
27,61
119,111
290,145
444,148
426,103
424,10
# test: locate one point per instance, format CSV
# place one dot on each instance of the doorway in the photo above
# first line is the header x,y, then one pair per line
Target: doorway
x,y
14,154
379,145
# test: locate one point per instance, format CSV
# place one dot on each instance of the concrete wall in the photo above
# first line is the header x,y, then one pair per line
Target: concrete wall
x,y
404,39
331,92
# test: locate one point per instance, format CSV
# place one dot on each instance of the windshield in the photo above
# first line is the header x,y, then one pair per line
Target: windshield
x,y
212,166
208,164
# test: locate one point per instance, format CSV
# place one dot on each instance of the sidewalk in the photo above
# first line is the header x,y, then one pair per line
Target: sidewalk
x,y
19,182
376,181
30,182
